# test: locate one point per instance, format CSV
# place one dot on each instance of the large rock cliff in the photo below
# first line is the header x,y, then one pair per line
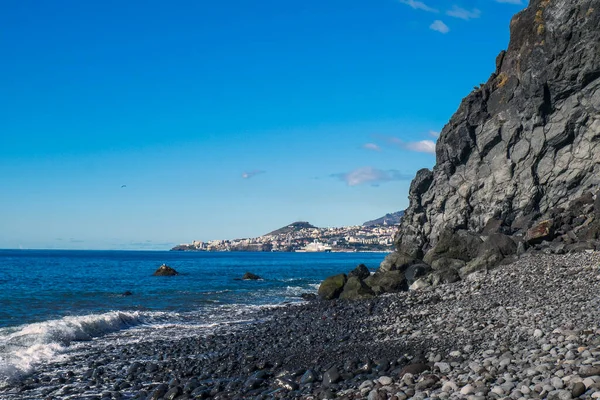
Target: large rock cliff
x,y
518,166
524,144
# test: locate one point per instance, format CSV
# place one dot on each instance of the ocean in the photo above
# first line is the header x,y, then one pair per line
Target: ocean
x,y
55,304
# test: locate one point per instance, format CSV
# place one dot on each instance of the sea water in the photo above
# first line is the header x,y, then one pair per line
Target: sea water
x,y
54,304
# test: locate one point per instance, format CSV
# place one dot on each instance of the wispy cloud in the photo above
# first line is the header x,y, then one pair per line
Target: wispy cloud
x,y
422,146
371,146
439,26
510,1
458,12
418,5
370,175
434,134
253,173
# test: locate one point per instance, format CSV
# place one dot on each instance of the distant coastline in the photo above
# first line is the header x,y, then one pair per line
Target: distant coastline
x,y
301,236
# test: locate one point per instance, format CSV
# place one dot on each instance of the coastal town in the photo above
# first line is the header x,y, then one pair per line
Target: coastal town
x,y
304,237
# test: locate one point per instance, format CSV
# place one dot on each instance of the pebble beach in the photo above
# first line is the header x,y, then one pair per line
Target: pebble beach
x,y
530,329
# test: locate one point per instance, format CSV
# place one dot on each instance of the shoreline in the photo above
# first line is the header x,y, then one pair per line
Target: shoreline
x,y
515,331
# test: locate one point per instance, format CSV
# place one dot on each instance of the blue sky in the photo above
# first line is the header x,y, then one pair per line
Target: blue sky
x,y
224,119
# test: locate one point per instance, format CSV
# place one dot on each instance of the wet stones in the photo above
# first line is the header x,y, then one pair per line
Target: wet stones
x,y
331,376
475,336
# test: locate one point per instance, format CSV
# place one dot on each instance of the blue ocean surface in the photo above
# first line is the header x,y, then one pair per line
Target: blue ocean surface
x,y
53,301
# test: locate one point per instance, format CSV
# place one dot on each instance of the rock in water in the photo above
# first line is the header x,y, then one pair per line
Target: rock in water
x,y
522,147
165,270
249,276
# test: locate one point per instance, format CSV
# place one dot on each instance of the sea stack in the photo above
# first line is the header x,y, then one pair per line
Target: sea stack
x,y
249,276
165,270
518,165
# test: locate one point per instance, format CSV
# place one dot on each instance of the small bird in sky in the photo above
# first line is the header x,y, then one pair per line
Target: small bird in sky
x,y
123,186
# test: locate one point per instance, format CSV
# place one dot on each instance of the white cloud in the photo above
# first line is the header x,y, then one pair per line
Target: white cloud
x,y
439,26
371,146
418,5
422,146
458,12
250,174
370,175
509,1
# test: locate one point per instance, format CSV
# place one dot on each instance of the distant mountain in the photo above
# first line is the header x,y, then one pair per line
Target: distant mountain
x,y
293,227
387,219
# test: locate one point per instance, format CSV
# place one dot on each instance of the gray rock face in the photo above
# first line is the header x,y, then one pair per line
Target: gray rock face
x,y
526,142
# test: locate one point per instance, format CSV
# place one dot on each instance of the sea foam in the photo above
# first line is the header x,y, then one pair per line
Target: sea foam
x,y
24,347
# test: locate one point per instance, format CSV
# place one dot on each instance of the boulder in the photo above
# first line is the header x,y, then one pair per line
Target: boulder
x,y
308,296
420,284
396,262
355,289
415,272
361,272
387,282
165,270
332,287
249,276
542,231
443,264
444,277
460,245
491,253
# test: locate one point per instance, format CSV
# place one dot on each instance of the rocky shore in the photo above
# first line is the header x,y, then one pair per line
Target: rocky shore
x,y
530,329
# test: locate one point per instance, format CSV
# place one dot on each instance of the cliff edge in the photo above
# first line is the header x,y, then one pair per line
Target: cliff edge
x,y
520,159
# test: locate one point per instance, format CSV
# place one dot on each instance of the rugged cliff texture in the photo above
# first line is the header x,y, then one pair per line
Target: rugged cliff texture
x,y
518,165
524,144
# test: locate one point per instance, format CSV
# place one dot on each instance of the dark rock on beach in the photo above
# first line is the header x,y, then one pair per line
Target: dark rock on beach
x,y
332,287
355,289
387,282
360,272
308,296
165,270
